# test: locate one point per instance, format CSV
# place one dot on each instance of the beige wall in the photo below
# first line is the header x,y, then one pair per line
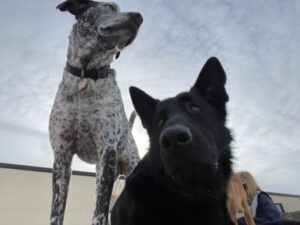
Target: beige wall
x,y
25,198
290,204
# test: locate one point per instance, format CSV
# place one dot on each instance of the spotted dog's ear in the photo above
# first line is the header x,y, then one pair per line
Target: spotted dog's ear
x,y
75,7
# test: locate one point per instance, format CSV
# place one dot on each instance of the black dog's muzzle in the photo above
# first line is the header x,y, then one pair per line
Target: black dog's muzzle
x,y
174,137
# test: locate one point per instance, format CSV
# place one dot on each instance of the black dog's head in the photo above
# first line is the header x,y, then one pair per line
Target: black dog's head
x,y
188,133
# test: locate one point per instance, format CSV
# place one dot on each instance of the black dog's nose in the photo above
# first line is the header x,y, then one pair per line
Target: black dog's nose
x,y
175,136
137,17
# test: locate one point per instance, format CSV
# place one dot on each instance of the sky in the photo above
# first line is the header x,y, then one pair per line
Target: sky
x,y
257,43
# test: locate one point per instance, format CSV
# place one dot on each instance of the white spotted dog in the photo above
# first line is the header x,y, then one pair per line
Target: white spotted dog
x,y
88,117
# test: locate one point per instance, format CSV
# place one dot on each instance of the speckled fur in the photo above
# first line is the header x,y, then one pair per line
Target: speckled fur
x,y
92,122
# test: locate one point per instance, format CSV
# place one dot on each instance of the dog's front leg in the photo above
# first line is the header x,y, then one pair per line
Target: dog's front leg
x,y
60,183
105,172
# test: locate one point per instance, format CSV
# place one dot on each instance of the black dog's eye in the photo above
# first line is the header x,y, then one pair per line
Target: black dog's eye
x,y
160,122
195,108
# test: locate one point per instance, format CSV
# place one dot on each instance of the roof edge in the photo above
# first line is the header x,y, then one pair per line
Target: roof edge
x,y
41,169
282,194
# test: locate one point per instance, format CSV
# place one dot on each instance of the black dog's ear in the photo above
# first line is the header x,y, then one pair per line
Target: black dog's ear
x,y
144,105
75,7
211,83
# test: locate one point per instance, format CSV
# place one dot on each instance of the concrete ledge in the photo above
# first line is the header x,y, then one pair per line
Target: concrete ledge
x,y
41,169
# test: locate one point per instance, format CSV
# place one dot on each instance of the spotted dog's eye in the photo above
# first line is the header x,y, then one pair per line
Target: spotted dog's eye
x,y
195,108
109,7
160,122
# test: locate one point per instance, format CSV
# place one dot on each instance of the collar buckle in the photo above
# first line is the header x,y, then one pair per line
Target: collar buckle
x,y
82,74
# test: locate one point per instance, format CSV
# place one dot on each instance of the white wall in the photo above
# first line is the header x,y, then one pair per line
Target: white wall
x,y
290,203
25,198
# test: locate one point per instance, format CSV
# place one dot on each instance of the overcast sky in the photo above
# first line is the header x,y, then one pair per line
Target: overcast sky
x,y
256,41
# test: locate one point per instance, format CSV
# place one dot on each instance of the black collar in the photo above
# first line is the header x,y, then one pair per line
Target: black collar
x,y
94,74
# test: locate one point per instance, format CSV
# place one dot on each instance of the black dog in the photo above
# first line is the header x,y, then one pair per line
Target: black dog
x,y
183,178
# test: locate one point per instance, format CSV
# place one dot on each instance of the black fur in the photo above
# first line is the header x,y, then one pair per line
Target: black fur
x,y
183,178
76,7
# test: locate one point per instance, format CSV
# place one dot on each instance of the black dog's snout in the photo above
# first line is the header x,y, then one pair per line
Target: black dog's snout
x,y
137,17
175,136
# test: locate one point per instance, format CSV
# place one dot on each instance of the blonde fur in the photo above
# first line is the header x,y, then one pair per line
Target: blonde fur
x,y
237,200
249,184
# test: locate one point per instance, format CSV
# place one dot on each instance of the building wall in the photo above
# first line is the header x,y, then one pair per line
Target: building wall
x,y
289,203
25,198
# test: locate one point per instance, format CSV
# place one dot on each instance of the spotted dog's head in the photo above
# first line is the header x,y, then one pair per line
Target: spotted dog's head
x,y
101,30
188,135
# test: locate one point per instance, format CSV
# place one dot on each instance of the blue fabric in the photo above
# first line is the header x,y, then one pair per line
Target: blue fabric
x,y
266,211
242,221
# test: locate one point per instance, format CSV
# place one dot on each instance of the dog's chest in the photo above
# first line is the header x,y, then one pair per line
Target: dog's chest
x,y
92,116
99,123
